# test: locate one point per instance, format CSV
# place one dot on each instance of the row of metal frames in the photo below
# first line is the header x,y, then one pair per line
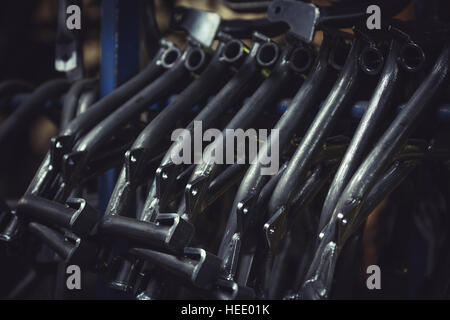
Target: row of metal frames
x,y
363,122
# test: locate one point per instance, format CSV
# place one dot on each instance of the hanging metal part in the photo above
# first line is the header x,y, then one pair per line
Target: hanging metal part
x,y
50,166
332,237
78,158
145,145
200,25
180,68
379,104
230,95
263,97
303,18
86,121
343,90
68,56
44,181
393,139
253,182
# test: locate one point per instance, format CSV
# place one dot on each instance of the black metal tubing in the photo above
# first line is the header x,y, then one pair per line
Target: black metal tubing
x,y
266,95
85,122
52,238
339,97
388,183
71,249
230,95
245,259
177,77
144,147
28,110
306,192
307,97
380,102
87,99
3,207
278,233
76,216
72,98
279,225
393,139
197,267
170,233
45,210
321,271
225,180
111,156
49,168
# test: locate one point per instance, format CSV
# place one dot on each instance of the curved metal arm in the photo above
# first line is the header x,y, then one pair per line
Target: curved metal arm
x,y
378,105
144,146
304,100
345,214
85,122
50,166
230,95
26,112
392,140
339,97
71,100
266,95
173,79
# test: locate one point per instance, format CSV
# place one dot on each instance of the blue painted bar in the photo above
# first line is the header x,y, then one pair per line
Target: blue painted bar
x,y
119,62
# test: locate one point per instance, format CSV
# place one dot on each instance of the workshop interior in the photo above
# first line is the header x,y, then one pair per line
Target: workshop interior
x,y
225,149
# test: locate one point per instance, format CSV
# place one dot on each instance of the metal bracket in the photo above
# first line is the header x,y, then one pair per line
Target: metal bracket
x,y
202,26
301,17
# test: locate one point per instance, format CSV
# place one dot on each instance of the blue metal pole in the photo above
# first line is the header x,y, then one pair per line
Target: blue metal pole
x,y
119,62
